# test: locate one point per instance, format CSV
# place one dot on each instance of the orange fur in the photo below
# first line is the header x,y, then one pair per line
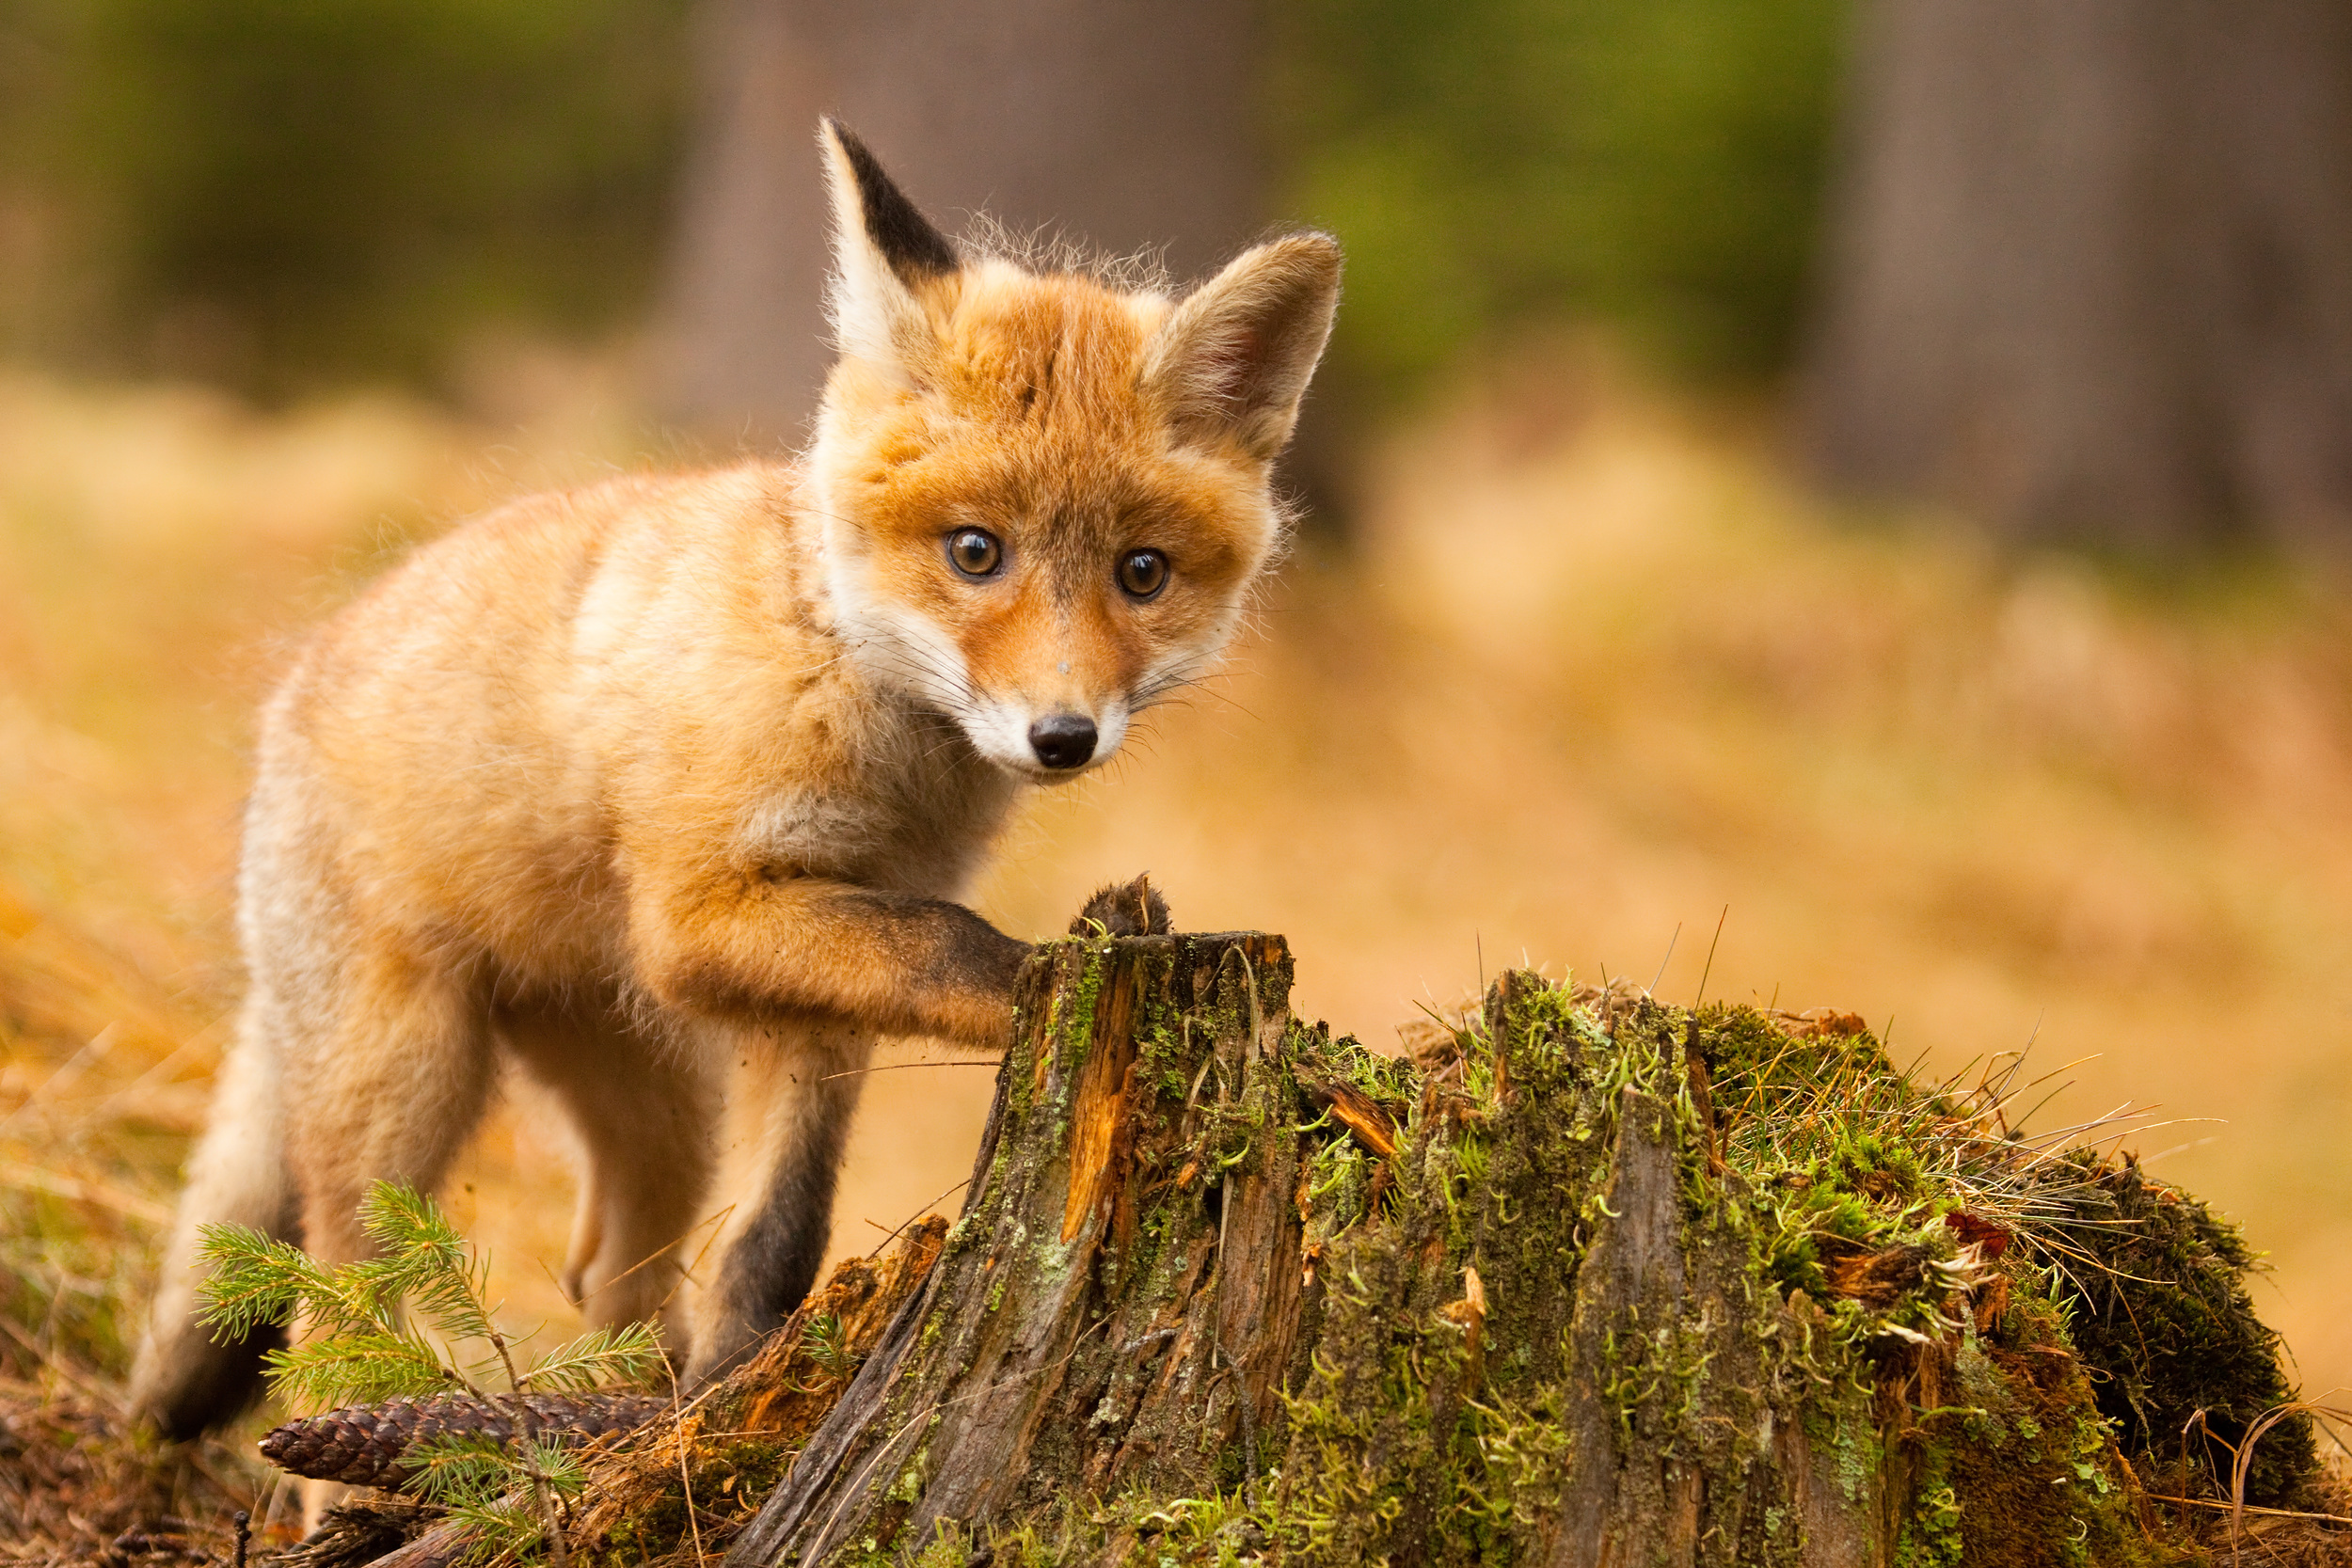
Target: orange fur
x,y
664,789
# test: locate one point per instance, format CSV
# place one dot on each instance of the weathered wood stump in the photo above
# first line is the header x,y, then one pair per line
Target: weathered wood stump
x,y
1592,1280
1119,1306
1587,1280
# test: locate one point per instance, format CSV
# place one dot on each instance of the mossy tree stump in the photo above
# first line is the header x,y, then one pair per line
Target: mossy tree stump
x,y
1587,1280
1562,1291
1119,1306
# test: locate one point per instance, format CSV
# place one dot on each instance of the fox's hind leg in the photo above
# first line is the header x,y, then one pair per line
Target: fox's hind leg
x,y
185,1382
387,1089
385,1083
792,1087
643,1114
348,1068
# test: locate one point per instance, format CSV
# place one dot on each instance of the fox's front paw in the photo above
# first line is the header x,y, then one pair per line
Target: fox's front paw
x,y
1125,910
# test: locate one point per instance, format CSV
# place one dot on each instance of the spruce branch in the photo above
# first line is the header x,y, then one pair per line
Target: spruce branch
x,y
457,1470
629,1354
251,1281
360,1347
357,1369
530,1448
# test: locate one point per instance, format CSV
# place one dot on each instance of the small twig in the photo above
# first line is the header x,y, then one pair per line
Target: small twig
x,y
685,1479
901,1067
654,1256
244,1522
2249,1508
2243,1463
1670,953
269,1504
687,1272
1242,1402
912,1218
1257,1019
2197,1417
526,1423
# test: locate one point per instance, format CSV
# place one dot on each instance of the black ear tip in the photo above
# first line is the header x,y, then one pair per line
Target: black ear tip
x,y
899,229
845,138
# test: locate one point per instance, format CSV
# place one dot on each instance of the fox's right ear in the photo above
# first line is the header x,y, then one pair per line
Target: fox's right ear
x,y
883,250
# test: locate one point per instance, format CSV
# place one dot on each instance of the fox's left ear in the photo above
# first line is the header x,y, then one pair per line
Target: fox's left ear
x,y
883,250
1232,360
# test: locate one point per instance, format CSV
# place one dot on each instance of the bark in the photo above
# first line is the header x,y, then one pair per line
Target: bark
x,y
1125,123
1119,1306
1587,1280
1225,1286
2090,273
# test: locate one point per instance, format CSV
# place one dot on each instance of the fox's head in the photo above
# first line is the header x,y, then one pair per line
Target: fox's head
x,y
1046,496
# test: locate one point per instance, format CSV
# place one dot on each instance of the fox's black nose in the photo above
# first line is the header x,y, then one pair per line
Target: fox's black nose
x,y
1062,740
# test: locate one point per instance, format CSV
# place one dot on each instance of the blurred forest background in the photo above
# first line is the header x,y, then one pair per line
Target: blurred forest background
x,y
1879,469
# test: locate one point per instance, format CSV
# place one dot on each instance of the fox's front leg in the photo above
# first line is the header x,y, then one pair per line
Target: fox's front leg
x,y
793,977
792,1088
755,942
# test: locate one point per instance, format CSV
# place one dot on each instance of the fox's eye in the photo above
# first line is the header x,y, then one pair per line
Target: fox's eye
x,y
973,551
1142,573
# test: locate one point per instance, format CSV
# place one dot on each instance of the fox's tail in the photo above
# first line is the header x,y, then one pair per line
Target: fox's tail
x,y
185,1382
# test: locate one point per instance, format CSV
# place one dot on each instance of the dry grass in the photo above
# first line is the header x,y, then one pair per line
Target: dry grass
x,y
1597,674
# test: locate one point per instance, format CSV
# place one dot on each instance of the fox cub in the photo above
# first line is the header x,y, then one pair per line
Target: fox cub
x,y
663,789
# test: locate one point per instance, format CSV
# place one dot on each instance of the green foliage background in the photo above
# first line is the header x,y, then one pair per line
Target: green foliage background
x,y
1653,164
281,193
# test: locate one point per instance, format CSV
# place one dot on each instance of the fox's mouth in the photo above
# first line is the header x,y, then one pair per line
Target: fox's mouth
x,y
1042,746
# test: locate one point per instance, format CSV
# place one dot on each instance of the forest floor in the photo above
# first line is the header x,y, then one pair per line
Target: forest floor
x,y
1594,672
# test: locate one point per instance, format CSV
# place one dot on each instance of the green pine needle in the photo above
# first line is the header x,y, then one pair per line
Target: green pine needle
x,y
629,1354
463,1470
356,1368
252,1281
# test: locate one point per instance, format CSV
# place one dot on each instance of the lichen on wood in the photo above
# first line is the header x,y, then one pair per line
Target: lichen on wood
x,y
1593,1279
1586,1279
1117,1308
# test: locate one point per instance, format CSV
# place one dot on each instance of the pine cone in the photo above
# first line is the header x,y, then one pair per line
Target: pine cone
x,y
363,1446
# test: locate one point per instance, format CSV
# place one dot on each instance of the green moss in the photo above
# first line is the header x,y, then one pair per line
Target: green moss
x,y
2155,1303
1413,1426
2034,1469
1930,1535
1167,1065
730,1476
1074,1030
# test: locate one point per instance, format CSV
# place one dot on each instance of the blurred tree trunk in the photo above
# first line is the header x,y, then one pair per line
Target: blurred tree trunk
x,y
1124,123
2091,271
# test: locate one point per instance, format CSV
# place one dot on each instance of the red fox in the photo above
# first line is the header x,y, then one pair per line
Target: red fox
x,y
663,790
